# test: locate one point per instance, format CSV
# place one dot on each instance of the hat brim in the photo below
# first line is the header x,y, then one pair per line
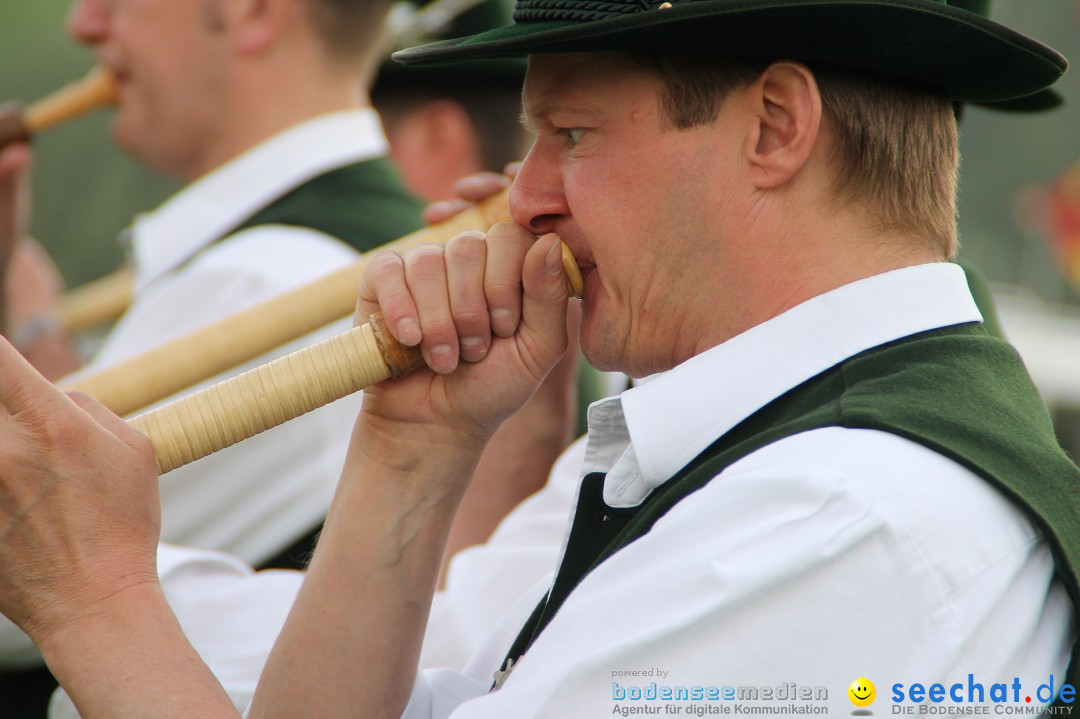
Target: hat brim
x,y
1048,99
969,58
503,73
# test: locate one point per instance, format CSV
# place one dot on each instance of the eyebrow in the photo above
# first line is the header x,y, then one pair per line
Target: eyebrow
x,y
546,108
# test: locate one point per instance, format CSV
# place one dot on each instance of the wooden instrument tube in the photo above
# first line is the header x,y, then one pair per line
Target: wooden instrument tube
x,y
227,412
96,90
174,366
97,302
240,407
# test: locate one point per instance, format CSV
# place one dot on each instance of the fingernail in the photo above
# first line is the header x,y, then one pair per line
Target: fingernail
x,y
442,206
442,359
554,259
472,348
408,332
502,321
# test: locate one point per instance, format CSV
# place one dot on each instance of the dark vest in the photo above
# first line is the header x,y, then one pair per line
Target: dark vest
x,y
364,205
955,390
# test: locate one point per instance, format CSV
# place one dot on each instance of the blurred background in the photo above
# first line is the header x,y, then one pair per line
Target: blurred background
x,y
1019,206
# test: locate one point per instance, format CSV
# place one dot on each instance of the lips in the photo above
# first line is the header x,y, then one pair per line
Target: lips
x,y
120,74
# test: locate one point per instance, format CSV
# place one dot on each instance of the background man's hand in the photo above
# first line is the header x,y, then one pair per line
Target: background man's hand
x,y
470,190
14,198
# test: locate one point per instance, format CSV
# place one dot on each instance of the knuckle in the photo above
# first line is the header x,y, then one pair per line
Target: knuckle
x,y
385,258
502,289
384,265
468,246
80,398
469,318
425,263
440,329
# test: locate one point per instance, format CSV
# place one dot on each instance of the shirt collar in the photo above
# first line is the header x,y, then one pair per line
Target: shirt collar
x,y
216,203
656,428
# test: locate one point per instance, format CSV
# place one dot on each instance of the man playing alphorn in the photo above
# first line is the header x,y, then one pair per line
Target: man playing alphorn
x,y
836,472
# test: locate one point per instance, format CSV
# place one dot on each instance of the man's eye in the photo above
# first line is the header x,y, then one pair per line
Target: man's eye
x,y
573,135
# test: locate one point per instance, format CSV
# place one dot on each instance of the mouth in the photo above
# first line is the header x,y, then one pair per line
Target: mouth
x,y
119,74
587,271
860,698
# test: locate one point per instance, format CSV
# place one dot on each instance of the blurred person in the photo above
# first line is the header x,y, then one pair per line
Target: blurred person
x,y
447,123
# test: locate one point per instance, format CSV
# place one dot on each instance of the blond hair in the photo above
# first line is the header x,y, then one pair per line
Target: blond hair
x,y
895,145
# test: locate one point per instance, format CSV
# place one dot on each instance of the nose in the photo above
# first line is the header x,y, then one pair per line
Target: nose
x,y
88,21
537,200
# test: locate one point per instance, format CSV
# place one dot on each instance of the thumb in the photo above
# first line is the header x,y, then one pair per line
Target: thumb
x,y
22,388
543,306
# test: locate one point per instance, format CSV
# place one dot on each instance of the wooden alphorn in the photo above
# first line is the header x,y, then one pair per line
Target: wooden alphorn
x,y
197,356
240,407
97,302
97,89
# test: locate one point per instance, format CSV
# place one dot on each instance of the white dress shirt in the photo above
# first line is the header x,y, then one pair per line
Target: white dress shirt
x,y
821,558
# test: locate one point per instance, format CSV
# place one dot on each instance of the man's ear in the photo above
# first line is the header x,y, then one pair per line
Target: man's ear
x,y
254,25
787,108
433,146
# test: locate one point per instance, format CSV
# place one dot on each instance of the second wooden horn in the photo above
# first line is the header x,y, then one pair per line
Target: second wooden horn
x,y
195,357
240,407
97,89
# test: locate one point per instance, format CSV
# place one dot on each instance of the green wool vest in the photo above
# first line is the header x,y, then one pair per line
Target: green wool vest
x,y
955,390
364,205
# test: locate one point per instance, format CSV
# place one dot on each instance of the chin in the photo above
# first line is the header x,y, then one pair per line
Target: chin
x,y
599,351
126,137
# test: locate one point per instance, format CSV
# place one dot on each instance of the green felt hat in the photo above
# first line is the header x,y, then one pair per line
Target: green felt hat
x,y
969,57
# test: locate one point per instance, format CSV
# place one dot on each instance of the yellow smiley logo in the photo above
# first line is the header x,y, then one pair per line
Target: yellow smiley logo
x,y
862,692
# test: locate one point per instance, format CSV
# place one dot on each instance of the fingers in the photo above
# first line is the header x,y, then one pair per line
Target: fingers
x,y
511,170
481,186
451,300
413,291
466,263
543,311
14,159
443,210
469,191
426,275
509,244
